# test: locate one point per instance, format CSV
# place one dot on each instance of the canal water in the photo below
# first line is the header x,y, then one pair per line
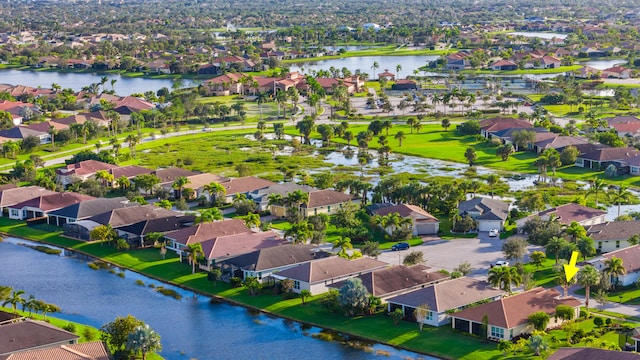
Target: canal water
x,y
191,328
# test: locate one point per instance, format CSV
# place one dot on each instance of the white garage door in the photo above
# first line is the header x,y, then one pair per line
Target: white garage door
x,y
427,229
486,225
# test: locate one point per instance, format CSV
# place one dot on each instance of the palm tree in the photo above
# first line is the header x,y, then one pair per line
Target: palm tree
x,y
470,155
252,220
14,299
143,339
503,276
103,233
538,344
492,180
374,67
209,215
53,131
123,183
561,277
344,244
400,136
179,184
194,251
215,190
261,98
588,276
348,137
597,185
614,267
554,245
104,177
619,195
133,141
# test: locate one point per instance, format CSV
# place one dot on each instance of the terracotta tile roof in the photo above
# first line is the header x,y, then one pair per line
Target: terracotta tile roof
x,y
587,353
13,196
327,197
406,210
396,278
200,180
87,167
53,201
630,257
614,230
45,126
129,171
622,119
627,127
449,295
514,310
169,175
330,268
31,334
504,63
245,185
208,231
85,351
573,212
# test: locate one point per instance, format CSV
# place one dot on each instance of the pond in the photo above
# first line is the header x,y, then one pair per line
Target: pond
x,y
364,64
539,34
123,86
191,328
603,64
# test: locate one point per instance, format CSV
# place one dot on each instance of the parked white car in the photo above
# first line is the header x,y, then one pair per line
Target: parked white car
x,y
494,232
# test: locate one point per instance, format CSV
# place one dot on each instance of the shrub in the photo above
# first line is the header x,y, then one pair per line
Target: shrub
x,y
70,327
608,321
583,314
415,257
89,333
539,320
236,281
598,321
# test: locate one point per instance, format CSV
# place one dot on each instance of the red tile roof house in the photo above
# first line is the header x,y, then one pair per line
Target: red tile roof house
x,y
396,280
221,240
81,171
599,159
40,206
508,317
613,235
568,213
317,275
12,196
326,202
630,260
589,353
502,65
423,222
263,263
95,350
30,335
129,172
444,298
617,72
199,181
488,126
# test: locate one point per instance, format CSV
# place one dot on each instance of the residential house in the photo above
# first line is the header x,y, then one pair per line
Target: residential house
x,y
404,85
263,263
32,335
21,132
508,317
226,84
488,213
261,196
636,340
11,195
630,257
168,175
443,298
95,350
81,171
326,202
40,206
132,214
128,172
423,222
244,185
158,66
317,275
458,61
590,353
613,235
199,233
86,209
602,157
489,126
506,135
587,72
197,183
617,72
504,65
136,232
395,280
558,142
568,213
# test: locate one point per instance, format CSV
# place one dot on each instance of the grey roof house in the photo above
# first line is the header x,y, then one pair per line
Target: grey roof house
x,y
488,213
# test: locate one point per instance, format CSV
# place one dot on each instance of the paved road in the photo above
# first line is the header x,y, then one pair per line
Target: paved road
x,y
480,252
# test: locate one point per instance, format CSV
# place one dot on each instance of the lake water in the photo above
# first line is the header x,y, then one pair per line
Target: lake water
x,y
364,64
191,328
603,64
542,35
75,81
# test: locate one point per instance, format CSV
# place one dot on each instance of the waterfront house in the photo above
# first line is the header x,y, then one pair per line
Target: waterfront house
x,y
86,209
136,232
489,126
508,317
31,335
11,195
263,263
395,280
630,257
40,206
317,275
600,158
488,213
132,214
568,213
589,353
95,350
613,235
443,298
422,222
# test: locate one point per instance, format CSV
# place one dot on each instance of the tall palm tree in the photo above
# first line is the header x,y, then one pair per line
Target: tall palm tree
x,y
261,99
554,245
503,276
588,276
374,67
179,183
133,140
143,340
104,177
619,195
215,191
492,180
194,251
344,244
614,267
348,137
400,136
252,220
561,277
596,186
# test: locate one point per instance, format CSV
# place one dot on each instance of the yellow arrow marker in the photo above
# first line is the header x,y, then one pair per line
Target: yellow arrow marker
x,y
571,270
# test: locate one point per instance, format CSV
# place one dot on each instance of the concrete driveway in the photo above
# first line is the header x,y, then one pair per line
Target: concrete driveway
x,y
480,252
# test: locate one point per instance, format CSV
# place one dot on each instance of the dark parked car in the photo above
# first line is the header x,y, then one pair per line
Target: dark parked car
x,y
400,246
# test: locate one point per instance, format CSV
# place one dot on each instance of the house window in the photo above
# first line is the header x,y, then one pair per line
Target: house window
x,y
296,285
617,244
600,246
429,316
15,212
259,276
329,208
497,332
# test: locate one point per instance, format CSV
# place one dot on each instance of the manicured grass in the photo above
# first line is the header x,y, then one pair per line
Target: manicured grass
x,y
544,276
